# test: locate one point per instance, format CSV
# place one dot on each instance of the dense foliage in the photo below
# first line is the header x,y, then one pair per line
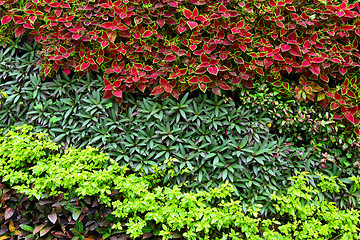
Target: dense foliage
x,y
61,193
165,47
255,138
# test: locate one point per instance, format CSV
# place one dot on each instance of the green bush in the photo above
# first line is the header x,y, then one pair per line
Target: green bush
x,y
140,205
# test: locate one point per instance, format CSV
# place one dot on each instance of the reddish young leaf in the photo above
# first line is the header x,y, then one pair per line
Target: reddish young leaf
x,y
160,22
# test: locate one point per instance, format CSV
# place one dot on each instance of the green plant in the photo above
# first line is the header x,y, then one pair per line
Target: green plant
x,y
140,205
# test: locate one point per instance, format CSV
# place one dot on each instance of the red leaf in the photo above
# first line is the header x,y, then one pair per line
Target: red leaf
x,y
338,116
163,82
295,50
147,34
224,86
76,36
357,131
220,34
286,85
99,60
334,106
305,63
205,79
104,44
194,79
107,25
216,90
350,94
170,58
325,78
141,86
173,4
343,71
19,30
317,60
340,14
260,71
5,19
66,71
116,84
213,70
108,94
188,13
157,90
117,93
195,13
350,117
160,22
285,47
315,69
278,57
202,87
191,24
242,47
84,66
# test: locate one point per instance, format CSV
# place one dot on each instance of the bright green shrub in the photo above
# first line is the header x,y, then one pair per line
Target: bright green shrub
x,y
140,205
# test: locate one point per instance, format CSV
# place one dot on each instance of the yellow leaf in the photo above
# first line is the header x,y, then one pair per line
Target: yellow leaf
x,y
269,125
3,237
11,226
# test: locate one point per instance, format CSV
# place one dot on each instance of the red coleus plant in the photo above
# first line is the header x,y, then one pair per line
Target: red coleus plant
x,y
165,47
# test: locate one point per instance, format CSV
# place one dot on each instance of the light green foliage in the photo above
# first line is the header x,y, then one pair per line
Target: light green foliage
x,y
165,211
314,219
